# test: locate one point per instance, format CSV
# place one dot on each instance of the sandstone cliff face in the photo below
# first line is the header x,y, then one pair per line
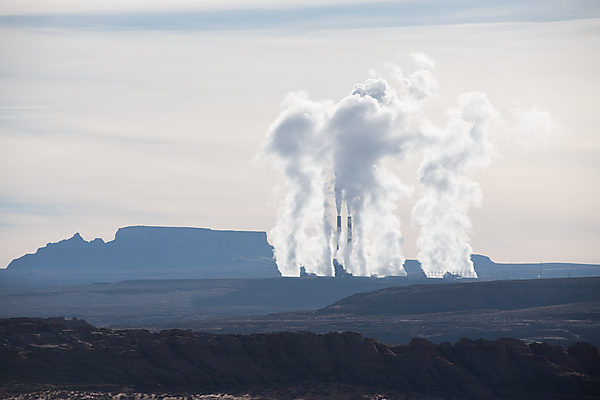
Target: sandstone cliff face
x,y
63,352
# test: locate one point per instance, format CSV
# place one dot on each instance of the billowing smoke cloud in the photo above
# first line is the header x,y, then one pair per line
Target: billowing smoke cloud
x,y
364,130
449,191
295,146
332,156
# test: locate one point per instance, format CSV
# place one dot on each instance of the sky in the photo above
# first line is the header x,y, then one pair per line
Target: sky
x,y
127,113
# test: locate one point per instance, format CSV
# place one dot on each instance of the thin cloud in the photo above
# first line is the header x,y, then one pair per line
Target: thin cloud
x,y
294,16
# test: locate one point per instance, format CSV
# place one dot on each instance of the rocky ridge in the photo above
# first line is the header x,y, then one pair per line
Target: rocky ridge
x,y
71,352
157,252
145,252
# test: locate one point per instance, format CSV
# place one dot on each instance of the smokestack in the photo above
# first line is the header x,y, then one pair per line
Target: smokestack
x,y
349,229
339,230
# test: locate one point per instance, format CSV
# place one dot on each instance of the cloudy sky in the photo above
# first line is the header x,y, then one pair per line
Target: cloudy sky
x,y
117,113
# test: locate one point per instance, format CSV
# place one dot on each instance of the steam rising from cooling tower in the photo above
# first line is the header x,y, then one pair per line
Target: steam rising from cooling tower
x,y
334,154
448,190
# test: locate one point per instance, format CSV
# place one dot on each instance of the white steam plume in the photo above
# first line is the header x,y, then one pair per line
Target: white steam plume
x,y
366,127
333,154
449,191
294,146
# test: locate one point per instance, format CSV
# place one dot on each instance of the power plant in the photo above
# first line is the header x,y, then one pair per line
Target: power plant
x,y
324,153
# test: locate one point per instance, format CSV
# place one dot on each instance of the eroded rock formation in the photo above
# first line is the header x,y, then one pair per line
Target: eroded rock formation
x,y
146,252
71,352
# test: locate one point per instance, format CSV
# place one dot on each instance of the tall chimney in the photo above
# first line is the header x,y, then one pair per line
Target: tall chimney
x,y
349,233
339,230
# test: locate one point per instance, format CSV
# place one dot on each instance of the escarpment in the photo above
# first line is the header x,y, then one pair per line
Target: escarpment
x,y
71,352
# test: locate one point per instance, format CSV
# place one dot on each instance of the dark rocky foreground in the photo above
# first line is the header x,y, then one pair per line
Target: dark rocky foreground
x,y
35,353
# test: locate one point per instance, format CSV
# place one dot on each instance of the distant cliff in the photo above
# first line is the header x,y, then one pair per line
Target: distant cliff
x,y
144,252
71,353
488,270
